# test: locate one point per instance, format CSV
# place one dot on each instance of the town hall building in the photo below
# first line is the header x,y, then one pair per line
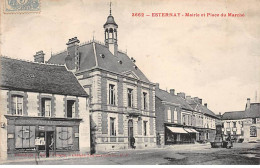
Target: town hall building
x,y
122,99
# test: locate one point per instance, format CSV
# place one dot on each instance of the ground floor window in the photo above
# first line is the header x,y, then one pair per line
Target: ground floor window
x,y
64,138
24,137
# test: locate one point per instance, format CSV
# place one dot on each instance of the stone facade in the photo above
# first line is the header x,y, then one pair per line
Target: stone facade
x,y
97,86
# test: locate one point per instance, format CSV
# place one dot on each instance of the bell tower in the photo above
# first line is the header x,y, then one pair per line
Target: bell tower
x,y
110,28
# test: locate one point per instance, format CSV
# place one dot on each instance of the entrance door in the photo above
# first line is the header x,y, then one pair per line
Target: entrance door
x,y
49,145
130,132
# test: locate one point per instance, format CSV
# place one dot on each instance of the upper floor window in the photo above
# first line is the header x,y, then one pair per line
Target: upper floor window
x,y
70,108
242,124
175,116
228,124
169,115
17,105
130,97
234,124
145,128
253,120
112,126
144,100
183,119
46,107
112,95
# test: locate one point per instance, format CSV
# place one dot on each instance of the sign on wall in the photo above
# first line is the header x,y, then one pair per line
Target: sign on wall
x,y
39,141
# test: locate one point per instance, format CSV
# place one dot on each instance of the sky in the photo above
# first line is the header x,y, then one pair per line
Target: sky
x,y
213,58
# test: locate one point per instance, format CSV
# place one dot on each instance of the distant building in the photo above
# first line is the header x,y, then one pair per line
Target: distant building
x,y
181,119
122,98
43,108
243,124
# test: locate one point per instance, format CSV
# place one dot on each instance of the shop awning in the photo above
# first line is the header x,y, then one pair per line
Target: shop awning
x,y
188,130
194,130
191,130
177,130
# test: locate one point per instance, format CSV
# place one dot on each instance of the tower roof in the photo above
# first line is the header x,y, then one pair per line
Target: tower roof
x,y
110,19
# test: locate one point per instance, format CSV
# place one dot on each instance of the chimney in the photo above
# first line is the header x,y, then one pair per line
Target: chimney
x,y
248,103
172,92
188,98
39,57
206,104
196,99
200,101
73,60
157,86
181,94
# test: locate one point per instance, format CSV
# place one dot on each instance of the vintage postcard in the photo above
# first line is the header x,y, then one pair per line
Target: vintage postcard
x,y
141,82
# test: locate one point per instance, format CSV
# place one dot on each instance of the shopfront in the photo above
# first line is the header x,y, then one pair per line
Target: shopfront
x,y
43,137
180,135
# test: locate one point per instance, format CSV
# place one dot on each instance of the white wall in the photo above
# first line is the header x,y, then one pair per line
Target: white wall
x,y
84,127
32,104
3,131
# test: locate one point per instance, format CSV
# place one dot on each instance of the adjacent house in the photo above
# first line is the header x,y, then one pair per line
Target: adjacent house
x,y
44,110
204,118
174,119
122,99
243,125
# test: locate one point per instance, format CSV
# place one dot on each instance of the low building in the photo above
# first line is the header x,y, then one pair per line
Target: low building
x,y
44,110
243,125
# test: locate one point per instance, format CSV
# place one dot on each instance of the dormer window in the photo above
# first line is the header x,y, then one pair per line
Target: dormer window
x,y
17,105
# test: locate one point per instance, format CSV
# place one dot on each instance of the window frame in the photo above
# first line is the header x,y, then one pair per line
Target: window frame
x,y
169,115
112,126
73,112
130,97
16,104
145,104
145,127
44,108
111,94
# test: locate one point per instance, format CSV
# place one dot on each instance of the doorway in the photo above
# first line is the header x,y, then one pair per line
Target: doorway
x,y
49,145
130,132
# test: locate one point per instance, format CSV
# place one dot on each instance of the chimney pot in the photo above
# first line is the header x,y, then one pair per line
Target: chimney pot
x,y
200,101
205,104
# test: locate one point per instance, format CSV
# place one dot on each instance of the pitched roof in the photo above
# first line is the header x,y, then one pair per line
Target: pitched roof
x,y
43,78
166,96
233,115
252,112
199,107
90,59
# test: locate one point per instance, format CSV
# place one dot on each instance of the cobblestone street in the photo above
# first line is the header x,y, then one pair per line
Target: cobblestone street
x,y
241,153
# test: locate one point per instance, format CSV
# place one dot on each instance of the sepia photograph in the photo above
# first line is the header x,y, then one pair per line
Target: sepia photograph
x,y
138,82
